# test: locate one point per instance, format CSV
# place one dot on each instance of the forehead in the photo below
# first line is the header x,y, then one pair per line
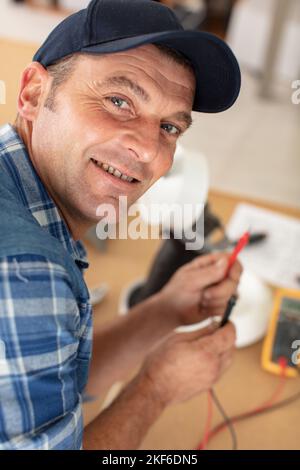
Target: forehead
x,y
145,64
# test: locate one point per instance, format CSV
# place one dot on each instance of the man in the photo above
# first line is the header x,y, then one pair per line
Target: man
x,y
100,109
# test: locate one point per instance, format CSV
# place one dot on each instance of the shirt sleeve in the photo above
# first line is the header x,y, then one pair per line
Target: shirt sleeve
x,y
40,405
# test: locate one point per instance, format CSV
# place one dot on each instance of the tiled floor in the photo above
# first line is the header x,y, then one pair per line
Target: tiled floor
x,y
252,149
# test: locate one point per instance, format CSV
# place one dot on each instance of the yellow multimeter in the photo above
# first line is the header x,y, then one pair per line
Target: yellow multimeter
x,y
283,336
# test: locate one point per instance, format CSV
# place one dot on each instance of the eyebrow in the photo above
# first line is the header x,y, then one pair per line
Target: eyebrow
x,y
141,93
184,117
125,82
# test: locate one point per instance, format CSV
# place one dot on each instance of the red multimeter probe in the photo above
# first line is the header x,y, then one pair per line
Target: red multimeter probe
x,y
237,249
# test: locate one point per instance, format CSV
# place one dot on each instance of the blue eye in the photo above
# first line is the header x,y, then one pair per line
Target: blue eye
x,y
171,129
118,102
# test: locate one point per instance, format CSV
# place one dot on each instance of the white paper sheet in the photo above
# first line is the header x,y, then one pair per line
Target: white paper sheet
x,y
276,259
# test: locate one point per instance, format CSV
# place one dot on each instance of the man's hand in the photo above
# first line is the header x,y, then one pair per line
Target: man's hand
x,y
199,289
187,364
180,302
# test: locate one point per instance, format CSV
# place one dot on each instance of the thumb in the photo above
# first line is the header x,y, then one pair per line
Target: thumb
x,y
208,275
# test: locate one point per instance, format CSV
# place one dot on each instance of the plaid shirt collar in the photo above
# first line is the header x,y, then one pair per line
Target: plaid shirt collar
x,y
32,192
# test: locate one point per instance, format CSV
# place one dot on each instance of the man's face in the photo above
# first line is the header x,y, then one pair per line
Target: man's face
x,y
124,110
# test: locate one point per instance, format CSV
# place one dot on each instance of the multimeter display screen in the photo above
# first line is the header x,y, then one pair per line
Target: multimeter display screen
x,y
287,329
290,308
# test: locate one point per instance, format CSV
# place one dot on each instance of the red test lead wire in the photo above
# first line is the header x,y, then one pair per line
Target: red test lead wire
x,y
267,405
243,241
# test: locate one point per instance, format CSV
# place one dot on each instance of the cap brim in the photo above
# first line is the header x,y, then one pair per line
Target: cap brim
x,y
218,78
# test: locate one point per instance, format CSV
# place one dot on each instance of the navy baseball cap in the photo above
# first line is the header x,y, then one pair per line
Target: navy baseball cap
x,y
108,26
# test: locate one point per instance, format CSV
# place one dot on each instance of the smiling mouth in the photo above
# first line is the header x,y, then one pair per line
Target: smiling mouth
x,y
115,172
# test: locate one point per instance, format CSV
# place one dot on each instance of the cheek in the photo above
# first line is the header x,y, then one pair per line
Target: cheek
x,y
162,166
86,123
93,112
99,129
166,167
167,159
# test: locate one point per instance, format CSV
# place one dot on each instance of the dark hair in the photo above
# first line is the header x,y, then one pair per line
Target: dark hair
x,y
60,71
177,56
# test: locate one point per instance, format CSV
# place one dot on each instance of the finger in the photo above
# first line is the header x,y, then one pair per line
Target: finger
x,y
223,291
204,260
215,303
223,339
235,271
207,312
205,276
227,353
226,360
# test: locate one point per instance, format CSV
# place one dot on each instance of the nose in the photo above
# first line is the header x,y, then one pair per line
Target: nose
x,y
144,140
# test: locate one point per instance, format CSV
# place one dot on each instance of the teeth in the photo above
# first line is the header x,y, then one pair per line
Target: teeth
x,y
113,171
126,178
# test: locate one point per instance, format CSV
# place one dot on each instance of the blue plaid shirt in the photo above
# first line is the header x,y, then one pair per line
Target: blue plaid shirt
x,y
42,328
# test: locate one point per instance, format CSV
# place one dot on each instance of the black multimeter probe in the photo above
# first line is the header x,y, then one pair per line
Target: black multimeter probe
x,y
232,301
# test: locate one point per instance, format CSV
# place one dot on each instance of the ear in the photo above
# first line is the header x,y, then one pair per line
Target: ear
x,y
34,82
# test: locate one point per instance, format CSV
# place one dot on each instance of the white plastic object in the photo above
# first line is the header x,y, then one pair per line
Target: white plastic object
x,y
252,310
186,183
